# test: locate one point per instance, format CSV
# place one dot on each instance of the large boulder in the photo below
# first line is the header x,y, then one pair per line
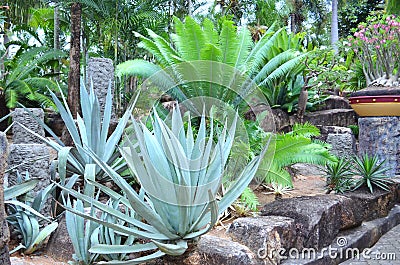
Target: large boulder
x,y
332,117
216,250
265,236
317,218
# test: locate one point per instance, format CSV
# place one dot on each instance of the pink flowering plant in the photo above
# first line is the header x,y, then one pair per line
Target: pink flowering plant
x,y
377,45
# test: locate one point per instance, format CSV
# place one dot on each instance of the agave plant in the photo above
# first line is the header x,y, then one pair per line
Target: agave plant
x,y
338,176
82,234
371,173
278,190
180,177
88,132
24,213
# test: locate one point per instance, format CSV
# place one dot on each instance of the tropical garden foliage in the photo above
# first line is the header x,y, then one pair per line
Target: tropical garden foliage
x,y
109,182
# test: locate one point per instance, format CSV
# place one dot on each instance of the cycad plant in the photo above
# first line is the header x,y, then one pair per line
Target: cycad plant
x,y
262,62
293,147
180,176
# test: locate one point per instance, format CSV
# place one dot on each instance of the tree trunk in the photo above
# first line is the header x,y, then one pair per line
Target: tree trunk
x,y
57,38
4,232
74,57
292,23
334,26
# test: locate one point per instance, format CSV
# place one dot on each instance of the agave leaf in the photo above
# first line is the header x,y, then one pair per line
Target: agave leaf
x,y
115,249
140,260
26,207
19,189
119,228
108,210
172,249
43,234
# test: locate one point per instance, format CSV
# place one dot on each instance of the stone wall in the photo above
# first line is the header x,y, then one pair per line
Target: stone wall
x,y
381,136
21,135
101,72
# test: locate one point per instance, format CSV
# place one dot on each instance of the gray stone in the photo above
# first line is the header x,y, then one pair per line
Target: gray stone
x,y
366,206
60,245
215,250
307,170
343,144
33,158
101,72
54,121
22,136
265,236
3,153
335,102
317,218
361,237
381,136
333,117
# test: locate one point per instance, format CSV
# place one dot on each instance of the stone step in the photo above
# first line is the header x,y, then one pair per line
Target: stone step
x,y
348,243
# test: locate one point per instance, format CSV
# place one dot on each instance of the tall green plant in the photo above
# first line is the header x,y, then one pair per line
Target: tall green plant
x,y
263,62
25,81
180,176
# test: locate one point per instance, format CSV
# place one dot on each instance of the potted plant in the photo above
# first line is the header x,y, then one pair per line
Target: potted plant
x,y
376,44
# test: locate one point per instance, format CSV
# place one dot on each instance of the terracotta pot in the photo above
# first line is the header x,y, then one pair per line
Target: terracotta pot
x,y
376,101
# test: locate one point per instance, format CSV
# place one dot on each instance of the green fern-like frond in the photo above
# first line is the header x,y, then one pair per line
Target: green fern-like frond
x,y
306,129
250,199
189,38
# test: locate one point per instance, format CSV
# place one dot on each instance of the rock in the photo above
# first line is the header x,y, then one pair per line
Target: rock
x,y
316,218
54,121
33,158
306,170
336,102
21,135
343,145
60,245
332,117
279,120
218,251
265,235
367,206
101,72
326,130
381,136
4,231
